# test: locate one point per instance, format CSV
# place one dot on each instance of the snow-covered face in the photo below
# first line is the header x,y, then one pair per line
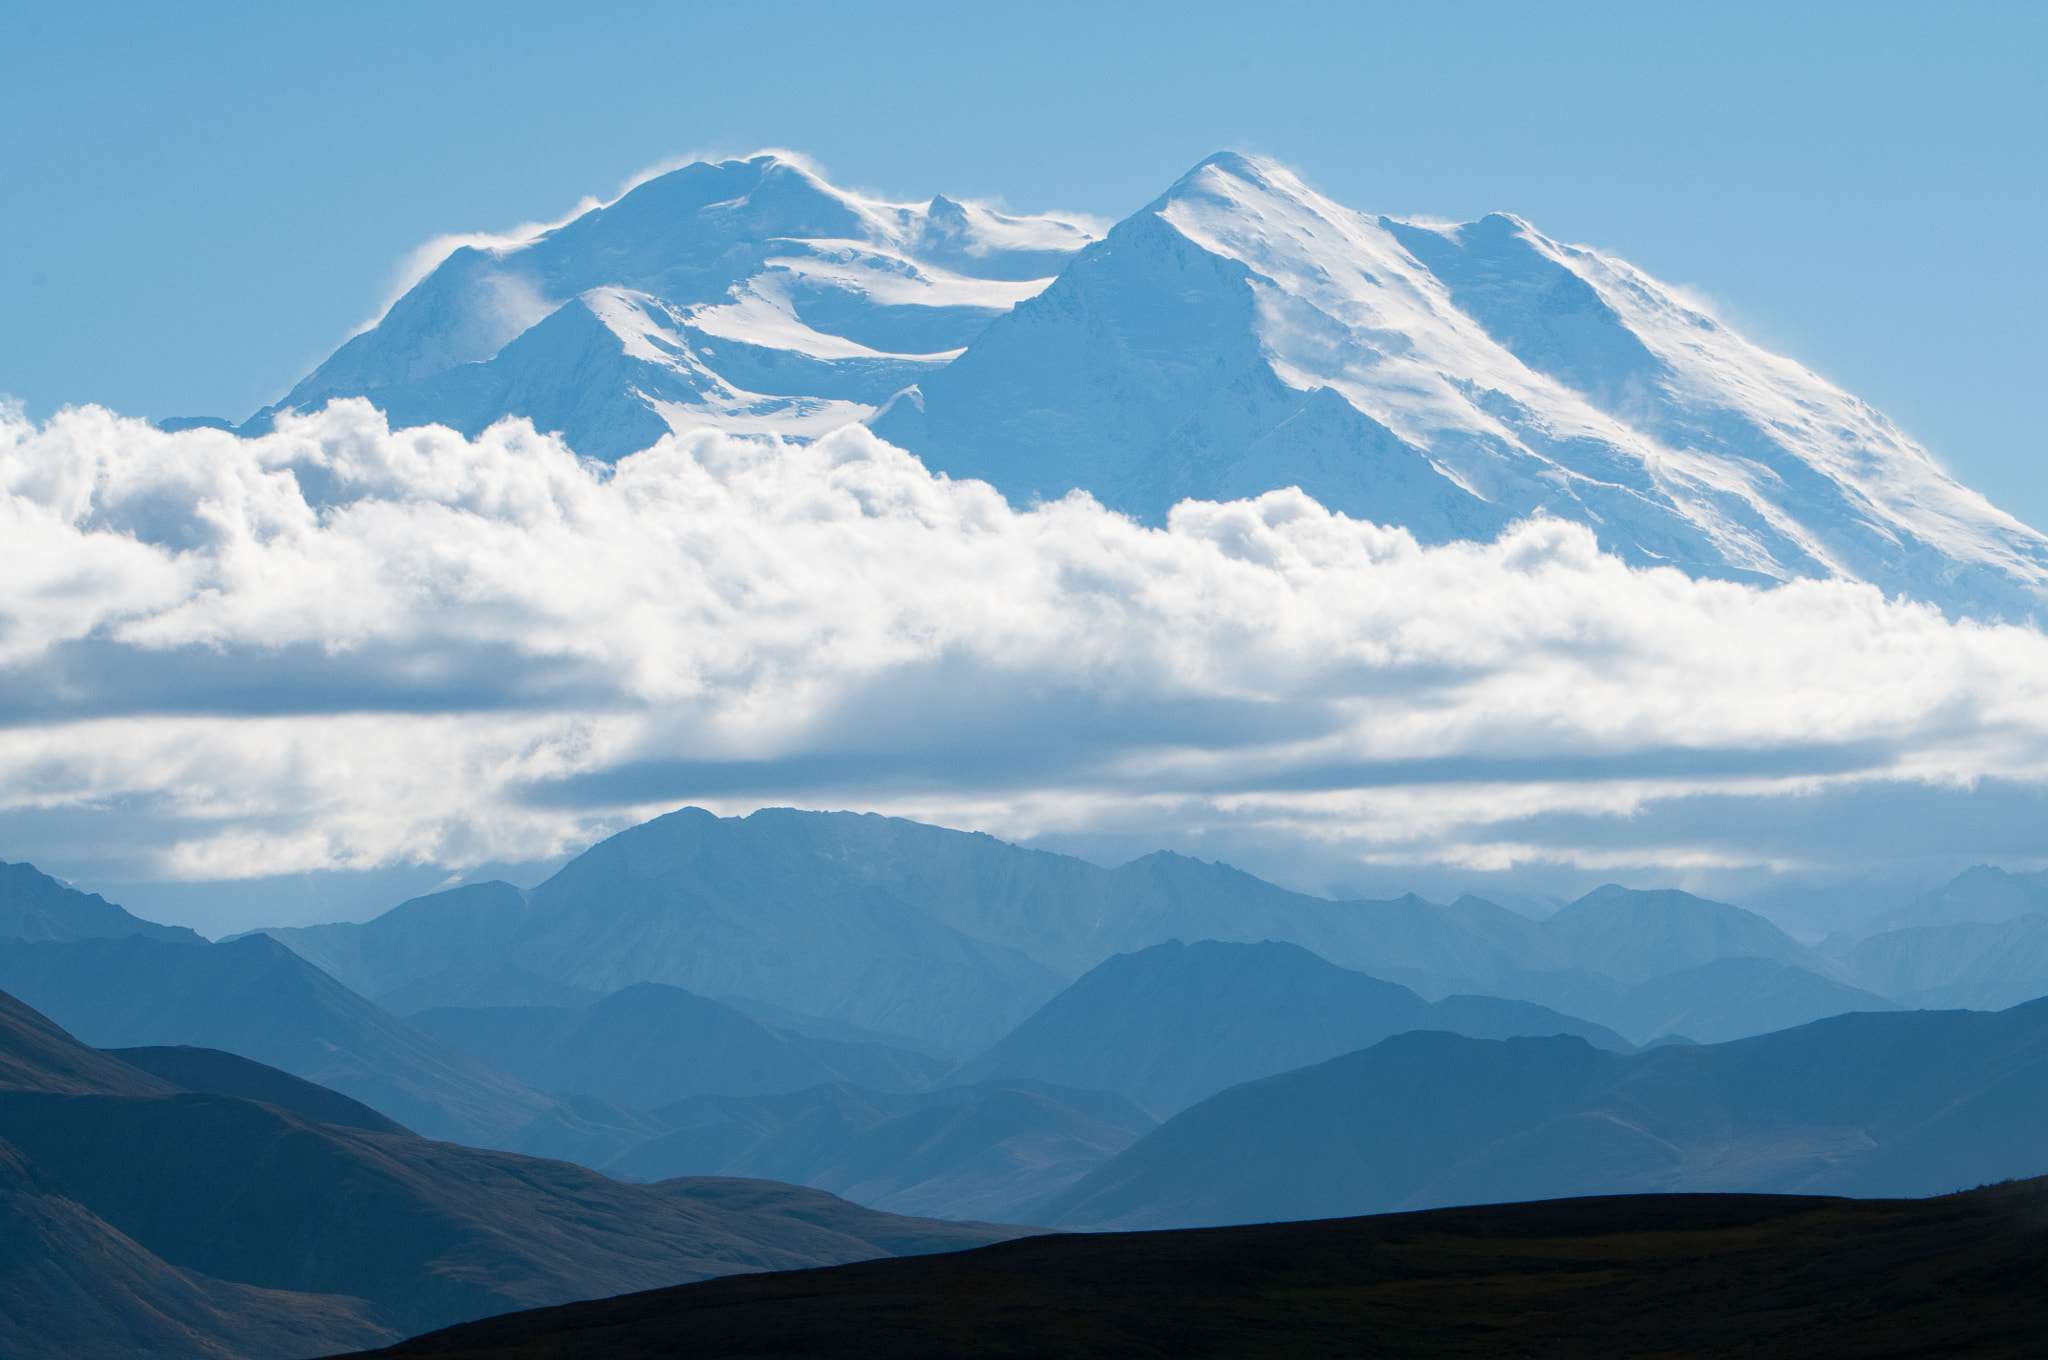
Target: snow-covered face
x,y
337,646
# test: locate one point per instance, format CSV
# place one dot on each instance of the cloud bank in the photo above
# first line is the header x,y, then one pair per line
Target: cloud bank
x,y
340,647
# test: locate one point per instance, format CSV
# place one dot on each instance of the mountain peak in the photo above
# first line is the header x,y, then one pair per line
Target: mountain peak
x,y
1240,334
1224,178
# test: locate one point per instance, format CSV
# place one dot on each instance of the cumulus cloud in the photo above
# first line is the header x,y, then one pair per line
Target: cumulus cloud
x,y
336,646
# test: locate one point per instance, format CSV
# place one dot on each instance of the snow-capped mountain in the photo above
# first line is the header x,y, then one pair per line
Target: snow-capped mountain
x,y
1240,333
748,295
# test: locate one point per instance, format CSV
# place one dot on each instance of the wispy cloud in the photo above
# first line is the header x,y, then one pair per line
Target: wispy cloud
x,y
339,646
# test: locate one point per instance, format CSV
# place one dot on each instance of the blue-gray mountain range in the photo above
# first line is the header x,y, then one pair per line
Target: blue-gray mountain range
x,y
948,940
193,1206
1912,1103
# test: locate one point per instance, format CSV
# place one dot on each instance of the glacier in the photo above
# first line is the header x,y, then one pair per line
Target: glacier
x,y
1240,334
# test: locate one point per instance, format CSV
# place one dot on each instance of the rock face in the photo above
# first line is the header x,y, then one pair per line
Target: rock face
x,y
1239,334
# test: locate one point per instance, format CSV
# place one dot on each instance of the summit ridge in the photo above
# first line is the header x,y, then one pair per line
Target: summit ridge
x,y
1240,334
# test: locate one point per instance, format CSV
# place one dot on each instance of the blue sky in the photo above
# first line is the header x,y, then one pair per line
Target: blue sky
x,y
202,200
232,705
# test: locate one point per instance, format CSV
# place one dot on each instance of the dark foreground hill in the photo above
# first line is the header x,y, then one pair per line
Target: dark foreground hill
x,y
1684,1277
1901,1103
140,1219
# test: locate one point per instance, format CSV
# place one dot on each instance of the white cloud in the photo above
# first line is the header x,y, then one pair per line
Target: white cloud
x,y
339,646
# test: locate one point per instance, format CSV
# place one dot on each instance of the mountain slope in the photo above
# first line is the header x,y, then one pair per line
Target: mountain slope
x,y
1733,998
1981,966
36,1055
1239,334
1481,372
78,1289
1868,1104
992,1150
1982,894
1632,935
208,1225
950,939
650,1044
208,1071
835,920
255,998
1174,1024
34,906
749,295
714,905
504,985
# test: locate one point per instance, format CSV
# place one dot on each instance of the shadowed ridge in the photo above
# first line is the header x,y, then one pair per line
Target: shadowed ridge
x,y
1762,1277
257,997
204,1226
209,1071
37,1055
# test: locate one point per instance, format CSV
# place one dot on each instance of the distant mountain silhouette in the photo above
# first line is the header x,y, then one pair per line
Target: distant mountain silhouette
x,y
1759,1276
1173,1024
1733,998
256,998
1980,965
650,1044
1634,935
740,907
144,1219
994,1150
1727,998
1906,1103
1982,895
951,939
34,906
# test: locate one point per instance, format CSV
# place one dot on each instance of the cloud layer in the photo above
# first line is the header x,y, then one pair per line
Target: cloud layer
x,y
336,646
